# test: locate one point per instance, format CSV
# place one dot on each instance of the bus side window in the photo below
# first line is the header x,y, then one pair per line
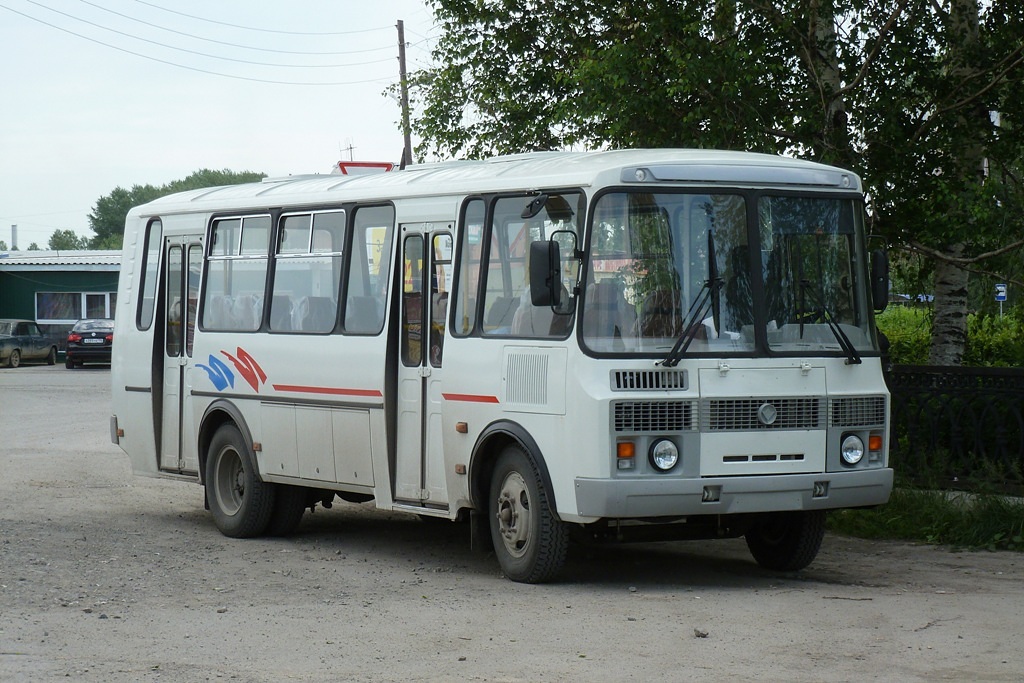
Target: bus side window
x,y
468,279
236,274
369,269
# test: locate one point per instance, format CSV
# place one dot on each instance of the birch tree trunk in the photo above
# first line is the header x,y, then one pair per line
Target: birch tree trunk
x,y
949,327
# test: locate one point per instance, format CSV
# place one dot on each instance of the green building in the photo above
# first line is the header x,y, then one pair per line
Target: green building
x,y
57,288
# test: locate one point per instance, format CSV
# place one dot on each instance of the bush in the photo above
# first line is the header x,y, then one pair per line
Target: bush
x,y
909,330
991,341
994,341
979,522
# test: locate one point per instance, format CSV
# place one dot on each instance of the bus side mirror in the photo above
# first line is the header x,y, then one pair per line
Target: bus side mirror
x,y
879,280
545,283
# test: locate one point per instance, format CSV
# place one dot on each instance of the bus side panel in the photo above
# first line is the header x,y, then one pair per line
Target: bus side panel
x,y
314,414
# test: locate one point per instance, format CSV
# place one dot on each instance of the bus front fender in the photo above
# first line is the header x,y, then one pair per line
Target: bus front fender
x,y
488,446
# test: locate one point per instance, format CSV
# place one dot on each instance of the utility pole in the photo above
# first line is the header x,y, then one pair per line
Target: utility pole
x,y
404,85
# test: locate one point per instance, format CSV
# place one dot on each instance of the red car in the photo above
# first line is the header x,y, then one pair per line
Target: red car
x,y
89,341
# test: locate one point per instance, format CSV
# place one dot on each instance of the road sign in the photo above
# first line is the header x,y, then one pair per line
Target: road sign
x,y
1000,292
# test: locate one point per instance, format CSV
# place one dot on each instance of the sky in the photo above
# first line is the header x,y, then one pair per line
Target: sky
x,y
100,94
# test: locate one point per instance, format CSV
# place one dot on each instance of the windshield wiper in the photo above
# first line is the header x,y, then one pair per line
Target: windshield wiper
x,y
707,298
852,356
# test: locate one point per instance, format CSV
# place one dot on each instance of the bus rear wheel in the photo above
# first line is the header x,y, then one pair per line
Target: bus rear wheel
x,y
787,541
530,542
290,503
241,503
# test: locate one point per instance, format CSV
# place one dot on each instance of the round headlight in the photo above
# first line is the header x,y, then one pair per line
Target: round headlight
x,y
852,450
663,455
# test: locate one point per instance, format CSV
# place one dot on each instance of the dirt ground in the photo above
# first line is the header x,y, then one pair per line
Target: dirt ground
x,y
108,577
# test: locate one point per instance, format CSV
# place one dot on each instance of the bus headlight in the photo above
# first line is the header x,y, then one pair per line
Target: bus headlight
x,y
852,450
663,455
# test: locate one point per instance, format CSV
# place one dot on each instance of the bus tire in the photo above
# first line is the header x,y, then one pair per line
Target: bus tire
x,y
787,541
530,541
240,502
290,503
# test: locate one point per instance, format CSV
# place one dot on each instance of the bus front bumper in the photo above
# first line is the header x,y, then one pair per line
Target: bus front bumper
x,y
665,497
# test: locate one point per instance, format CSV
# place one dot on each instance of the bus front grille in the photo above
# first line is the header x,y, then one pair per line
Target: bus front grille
x,y
857,411
653,416
747,414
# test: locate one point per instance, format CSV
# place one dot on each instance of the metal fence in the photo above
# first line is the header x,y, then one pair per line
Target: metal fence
x,y
958,427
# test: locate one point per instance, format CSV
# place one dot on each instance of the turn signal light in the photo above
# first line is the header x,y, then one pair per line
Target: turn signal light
x,y
875,442
624,452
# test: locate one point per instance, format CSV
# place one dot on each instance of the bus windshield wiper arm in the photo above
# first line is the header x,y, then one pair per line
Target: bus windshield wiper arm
x,y
698,309
707,298
852,357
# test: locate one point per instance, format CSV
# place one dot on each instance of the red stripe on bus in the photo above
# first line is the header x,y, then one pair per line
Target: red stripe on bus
x,y
334,391
471,398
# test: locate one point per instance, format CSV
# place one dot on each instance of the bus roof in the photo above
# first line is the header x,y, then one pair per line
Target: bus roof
x,y
522,171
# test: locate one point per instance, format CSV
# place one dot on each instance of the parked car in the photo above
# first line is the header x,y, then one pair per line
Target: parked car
x,y
22,340
89,341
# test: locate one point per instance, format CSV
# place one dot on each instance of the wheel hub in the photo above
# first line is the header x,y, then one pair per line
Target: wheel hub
x,y
513,513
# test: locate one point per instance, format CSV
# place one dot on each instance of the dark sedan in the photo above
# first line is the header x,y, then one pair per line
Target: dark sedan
x,y
89,342
23,340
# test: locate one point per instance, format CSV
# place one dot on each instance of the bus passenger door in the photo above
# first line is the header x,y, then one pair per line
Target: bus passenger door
x,y
183,257
426,264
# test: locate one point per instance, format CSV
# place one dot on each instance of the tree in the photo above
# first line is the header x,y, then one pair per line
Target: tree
x,y
3,245
898,90
67,240
33,246
108,215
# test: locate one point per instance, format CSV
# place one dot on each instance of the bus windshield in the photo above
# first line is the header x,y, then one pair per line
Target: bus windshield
x,y
685,273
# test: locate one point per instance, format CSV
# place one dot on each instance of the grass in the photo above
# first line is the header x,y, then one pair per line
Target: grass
x,y
984,521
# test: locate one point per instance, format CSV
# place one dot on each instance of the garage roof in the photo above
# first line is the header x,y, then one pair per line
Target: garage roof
x,y
102,260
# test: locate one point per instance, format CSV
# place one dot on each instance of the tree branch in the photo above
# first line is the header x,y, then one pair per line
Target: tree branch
x,y
1016,55
873,54
963,262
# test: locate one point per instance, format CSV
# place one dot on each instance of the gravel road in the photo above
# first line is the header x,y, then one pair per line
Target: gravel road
x,y
108,577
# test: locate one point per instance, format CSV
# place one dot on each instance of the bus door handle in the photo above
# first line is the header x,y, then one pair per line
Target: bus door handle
x,y
424,371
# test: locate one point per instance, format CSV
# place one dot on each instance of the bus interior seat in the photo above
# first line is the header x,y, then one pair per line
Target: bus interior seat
x,y
362,314
738,295
281,313
661,315
246,312
608,313
501,314
216,313
321,314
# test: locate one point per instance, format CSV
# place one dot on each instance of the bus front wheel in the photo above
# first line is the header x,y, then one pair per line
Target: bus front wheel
x,y
530,542
241,504
787,541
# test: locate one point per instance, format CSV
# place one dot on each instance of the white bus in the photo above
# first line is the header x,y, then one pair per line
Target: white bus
x,y
633,344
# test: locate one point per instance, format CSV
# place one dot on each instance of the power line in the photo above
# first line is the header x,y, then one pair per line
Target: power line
x,y
262,30
222,42
192,68
206,54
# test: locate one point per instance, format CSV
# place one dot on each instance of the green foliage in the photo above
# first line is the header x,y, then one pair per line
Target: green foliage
x,y
991,341
900,91
909,331
979,522
33,247
994,341
67,239
108,215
